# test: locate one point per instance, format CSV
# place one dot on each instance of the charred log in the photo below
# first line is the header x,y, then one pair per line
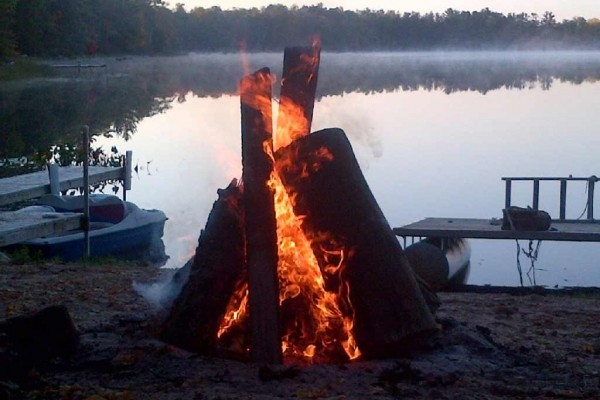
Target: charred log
x,y
339,210
260,223
298,90
218,266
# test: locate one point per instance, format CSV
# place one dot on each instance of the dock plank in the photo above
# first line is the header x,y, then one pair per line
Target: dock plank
x,y
16,227
484,229
36,184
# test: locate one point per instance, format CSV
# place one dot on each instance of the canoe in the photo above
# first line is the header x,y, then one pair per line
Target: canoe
x,y
117,229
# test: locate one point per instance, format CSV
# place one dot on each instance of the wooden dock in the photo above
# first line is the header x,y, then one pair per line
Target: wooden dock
x,y
16,227
36,184
564,230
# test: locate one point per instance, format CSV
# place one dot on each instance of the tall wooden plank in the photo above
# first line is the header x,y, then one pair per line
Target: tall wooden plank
x,y
261,225
298,91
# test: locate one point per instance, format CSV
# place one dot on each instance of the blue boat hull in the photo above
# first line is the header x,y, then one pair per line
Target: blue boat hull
x,y
136,235
128,244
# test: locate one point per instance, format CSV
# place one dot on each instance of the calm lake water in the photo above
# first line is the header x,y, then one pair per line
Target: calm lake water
x,y
433,132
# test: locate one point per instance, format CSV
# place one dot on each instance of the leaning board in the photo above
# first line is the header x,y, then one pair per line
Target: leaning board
x,y
17,227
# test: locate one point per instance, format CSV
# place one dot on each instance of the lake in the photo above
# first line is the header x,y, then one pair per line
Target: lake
x,y
433,133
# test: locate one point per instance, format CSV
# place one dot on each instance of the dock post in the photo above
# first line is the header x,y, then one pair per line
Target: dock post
x,y
590,201
127,173
536,194
507,193
86,192
563,198
53,176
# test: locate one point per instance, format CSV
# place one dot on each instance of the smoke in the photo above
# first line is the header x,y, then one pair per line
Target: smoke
x,y
356,123
162,294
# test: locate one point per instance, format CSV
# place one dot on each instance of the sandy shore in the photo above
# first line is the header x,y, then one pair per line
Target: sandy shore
x,y
490,346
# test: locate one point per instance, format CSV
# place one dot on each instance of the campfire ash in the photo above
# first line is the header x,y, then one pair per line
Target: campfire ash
x,y
298,261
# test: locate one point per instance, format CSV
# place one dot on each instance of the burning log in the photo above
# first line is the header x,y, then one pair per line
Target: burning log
x,y
260,226
298,90
340,212
218,266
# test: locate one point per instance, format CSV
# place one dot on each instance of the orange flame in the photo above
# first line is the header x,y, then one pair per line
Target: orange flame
x,y
293,126
322,326
253,91
236,309
314,325
292,123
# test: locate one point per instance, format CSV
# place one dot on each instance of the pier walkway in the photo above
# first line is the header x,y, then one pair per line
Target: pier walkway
x,y
36,184
16,227
471,228
561,229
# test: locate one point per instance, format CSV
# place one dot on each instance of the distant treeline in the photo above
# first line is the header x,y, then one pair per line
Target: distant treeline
x,y
50,28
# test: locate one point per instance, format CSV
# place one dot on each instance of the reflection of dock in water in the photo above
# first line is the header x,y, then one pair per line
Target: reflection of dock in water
x,y
561,229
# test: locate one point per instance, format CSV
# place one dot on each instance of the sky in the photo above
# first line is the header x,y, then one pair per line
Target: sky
x,y
563,9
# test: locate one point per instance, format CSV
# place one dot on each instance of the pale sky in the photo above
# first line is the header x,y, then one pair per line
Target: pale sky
x,y
563,9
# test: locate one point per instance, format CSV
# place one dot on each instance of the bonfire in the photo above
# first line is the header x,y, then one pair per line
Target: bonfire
x,y
297,261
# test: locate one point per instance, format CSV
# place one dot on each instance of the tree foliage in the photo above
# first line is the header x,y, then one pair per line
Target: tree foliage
x,y
7,19
74,27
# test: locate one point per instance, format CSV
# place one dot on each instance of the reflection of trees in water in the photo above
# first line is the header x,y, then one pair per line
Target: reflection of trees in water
x,y
38,117
114,100
451,72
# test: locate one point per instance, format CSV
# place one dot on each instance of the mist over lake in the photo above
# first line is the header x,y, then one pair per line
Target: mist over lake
x,y
434,132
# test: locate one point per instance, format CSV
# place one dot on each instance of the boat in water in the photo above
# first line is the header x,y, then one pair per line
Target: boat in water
x,y
118,229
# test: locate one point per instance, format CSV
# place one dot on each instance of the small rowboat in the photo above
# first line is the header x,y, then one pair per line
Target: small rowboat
x,y
117,229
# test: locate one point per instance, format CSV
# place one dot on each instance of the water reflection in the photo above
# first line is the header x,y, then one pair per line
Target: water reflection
x,y
35,115
433,132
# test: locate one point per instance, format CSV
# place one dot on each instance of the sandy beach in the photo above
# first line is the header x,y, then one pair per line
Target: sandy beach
x,y
491,345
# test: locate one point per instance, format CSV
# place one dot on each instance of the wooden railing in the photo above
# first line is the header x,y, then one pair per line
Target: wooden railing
x,y
563,192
